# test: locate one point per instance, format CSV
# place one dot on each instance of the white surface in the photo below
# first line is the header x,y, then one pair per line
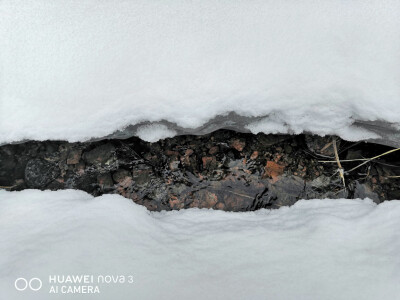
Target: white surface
x,y
316,249
79,69
154,132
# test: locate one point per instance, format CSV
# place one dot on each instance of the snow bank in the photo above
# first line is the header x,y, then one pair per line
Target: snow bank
x,y
316,249
80,69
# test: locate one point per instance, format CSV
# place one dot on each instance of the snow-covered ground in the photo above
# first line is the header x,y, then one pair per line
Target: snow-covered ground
x,y
316,249
80,69
75,70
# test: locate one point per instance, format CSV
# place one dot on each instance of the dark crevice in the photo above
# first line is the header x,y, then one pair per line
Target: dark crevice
x,y
224,170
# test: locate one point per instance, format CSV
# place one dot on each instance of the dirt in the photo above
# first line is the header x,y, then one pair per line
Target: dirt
x,y
223,170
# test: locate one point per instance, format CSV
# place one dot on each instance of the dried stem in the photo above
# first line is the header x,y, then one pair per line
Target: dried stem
x,y
375,157
341,171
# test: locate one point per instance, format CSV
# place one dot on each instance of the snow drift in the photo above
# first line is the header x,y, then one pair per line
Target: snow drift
x,y
316,249
77,70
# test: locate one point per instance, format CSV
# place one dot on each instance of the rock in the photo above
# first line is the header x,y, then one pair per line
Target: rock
x,y
273,170
174,165
238,144
209,162
39,173
80,168
288,149
321,145
87,182
189,152
213,150
363,191
220,206
142,178
211,199
120,175
7,170
286,191
171,153
321,182
100,155
19,185
175,202
254,155
105,180
74,156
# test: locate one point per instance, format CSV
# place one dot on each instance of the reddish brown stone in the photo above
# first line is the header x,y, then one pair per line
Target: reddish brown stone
x,y
207,161
213,150
254,155
195,203
188,152
185,160
238,144
211,199
175,203
273,170
220,206
277,157
171,153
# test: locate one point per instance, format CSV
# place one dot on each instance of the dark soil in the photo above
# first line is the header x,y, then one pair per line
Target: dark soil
x,y
223,170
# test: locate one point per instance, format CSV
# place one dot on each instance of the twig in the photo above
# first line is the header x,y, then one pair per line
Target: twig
x,y
343,160
7,187
341,171
375,157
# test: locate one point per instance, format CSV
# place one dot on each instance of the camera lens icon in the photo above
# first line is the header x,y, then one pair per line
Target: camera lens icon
x,y
34,284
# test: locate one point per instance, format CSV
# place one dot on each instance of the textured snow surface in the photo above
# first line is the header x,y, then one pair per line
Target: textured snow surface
x,y
80,69
154,132
316,249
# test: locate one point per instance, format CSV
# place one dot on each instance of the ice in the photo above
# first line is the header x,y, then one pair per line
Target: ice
x,y
76,70
316,249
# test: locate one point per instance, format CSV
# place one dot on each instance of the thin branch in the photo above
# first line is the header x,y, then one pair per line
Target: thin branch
x,y
7,187
341,171
343,160
375,157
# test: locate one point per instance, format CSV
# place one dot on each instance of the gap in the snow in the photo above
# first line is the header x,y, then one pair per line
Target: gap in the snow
x,y
224,170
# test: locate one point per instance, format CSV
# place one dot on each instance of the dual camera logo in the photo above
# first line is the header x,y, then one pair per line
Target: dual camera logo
x,y
34,284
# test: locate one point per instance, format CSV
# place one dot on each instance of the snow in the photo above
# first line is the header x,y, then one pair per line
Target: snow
x,y
316,249
154,132
76,70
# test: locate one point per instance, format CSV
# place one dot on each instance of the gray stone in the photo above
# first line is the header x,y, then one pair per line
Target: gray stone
x,y
39,173
100,155
120,175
